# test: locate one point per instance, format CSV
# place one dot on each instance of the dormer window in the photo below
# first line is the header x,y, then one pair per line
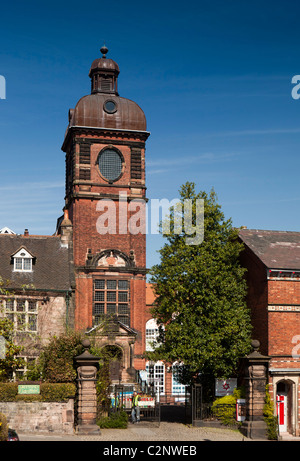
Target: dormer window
x,y
22,261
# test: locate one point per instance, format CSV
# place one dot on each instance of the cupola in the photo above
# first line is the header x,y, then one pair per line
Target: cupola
x,y
104,74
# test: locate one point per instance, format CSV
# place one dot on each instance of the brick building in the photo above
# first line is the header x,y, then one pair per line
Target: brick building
x,y
272,259
105,215
37,284
91,274
93,269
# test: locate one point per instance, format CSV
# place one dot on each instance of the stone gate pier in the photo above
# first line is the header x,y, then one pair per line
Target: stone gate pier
x,y
255,378
87,366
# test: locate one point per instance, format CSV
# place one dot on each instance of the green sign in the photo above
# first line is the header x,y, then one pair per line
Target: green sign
x,y
28,389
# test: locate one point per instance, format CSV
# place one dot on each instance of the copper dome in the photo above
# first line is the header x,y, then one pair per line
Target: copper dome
x,y
104,108
90,111
104,64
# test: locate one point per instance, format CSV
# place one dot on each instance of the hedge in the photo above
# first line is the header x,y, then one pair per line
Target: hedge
x,y
49,392
224,409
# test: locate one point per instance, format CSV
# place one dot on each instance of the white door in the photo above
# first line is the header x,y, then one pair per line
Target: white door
x,y
282,411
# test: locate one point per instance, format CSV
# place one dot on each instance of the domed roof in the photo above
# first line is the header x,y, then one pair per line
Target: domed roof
x,y
104,64
100,110
104,108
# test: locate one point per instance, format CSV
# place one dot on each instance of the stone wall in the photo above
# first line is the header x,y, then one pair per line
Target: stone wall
x,y
40,416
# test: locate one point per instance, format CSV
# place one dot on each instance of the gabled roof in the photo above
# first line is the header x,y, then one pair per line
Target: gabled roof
x,y
19,250
51,266
6,230
119,327
276,249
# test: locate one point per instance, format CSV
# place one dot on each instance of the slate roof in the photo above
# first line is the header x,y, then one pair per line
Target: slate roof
x,y
51,268
276,249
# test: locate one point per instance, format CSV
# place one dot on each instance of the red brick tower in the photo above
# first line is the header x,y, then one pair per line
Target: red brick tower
x,y
105,203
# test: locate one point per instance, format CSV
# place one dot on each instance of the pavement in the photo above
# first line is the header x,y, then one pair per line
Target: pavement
x,y
143,432
286,437
152,432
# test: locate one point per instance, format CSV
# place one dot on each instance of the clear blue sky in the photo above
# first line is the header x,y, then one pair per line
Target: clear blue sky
x,y
213,78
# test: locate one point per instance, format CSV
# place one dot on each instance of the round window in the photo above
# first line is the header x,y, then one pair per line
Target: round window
x,y
110,164
110,106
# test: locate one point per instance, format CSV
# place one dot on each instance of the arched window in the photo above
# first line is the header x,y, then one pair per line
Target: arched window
x,y
151,334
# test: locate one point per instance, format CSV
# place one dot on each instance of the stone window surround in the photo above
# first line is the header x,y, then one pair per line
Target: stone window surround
x,y
23,311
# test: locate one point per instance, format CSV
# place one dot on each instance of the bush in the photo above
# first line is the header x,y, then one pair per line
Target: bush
x,y
57,392
224,409
3,428
270,419
56,362
116,420
8,392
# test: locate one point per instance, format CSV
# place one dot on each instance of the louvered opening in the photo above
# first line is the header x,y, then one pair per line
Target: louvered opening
x,y
85,154
106,84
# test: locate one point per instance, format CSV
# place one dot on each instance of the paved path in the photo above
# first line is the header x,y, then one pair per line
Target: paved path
x,y
144,432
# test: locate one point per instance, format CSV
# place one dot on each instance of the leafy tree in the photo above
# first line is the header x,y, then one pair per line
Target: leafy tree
x,y
56,361
200,309
10,361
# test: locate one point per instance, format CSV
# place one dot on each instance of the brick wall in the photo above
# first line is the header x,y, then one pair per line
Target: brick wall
x,y
257,297
86,236
283,326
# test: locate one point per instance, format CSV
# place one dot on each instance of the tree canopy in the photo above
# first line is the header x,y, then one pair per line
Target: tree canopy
x,y
200,309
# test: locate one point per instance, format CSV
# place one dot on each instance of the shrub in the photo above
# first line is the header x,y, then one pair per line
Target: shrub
x,y
224,409
270,419
56,362
8,392
3,428
57,392
116,420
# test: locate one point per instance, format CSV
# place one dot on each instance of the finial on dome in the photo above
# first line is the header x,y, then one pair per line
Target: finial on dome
x,y
104,51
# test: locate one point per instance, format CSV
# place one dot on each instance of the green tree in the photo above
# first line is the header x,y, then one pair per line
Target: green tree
x,y
200,308
10,361
56,361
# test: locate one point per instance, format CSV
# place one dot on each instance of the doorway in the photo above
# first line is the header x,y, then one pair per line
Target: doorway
x,y
283,406
113,357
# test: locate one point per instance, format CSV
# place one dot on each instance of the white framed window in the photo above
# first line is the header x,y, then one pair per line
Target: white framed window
x,y
23,313
151,334
177,388
22,261
156,375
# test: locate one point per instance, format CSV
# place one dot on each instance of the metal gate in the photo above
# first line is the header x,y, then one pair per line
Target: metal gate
x,y
194,409
172,407
121,399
